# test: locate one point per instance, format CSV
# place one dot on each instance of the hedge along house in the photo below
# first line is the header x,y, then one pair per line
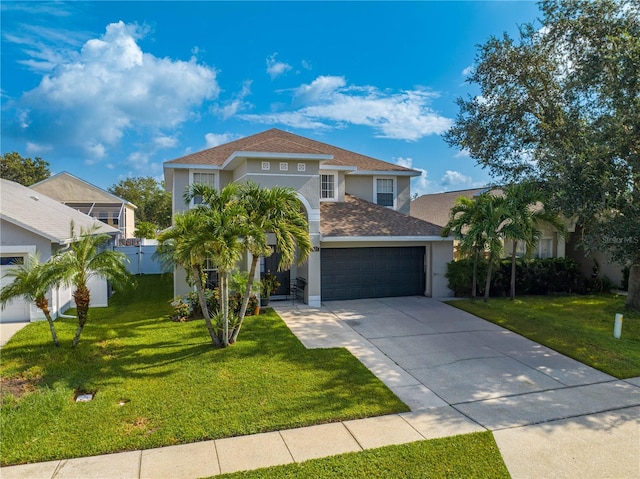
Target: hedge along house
x,y
31,222
365,243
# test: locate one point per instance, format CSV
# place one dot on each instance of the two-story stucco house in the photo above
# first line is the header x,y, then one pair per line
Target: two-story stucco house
x,y
365,243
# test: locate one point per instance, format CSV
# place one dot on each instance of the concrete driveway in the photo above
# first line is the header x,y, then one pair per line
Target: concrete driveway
x,y
551,415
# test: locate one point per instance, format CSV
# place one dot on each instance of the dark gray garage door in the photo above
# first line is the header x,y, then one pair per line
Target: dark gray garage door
x,y
352,273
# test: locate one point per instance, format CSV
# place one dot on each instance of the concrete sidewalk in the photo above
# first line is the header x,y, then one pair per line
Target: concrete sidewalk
x,y
209,458
551,416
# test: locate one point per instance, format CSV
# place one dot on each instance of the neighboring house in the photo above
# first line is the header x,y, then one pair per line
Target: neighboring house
x,y
91,200
31,222
365,244
435,208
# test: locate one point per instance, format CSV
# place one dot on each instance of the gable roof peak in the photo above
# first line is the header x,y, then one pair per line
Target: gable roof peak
x,y
276,141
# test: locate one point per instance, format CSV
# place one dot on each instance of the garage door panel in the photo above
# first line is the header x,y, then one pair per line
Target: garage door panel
x,y
372,272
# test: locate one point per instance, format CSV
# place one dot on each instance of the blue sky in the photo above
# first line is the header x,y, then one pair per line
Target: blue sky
x,y
109,90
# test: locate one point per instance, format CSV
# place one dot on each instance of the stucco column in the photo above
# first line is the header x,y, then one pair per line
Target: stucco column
x,y
313,292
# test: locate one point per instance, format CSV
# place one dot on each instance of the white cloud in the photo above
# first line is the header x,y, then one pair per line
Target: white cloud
x,y
165,142
454,180
35,149
92,97
420,185
463,154
468,71
329,102
276,68
215,139
237,104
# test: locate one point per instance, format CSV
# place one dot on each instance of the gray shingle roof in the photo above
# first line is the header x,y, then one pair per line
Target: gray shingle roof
x,y
278,141
42,215
356,217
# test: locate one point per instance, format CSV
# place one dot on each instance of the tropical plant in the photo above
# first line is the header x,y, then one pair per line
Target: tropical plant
x,y
526,215
493,218
477,223
86,258
278,211
32,280
181,245
465,214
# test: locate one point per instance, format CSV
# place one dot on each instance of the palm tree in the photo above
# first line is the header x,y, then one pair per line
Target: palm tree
x,y
463,220
86,258
182,245
477,224
223,225
492,219
274,210
526,212
32,281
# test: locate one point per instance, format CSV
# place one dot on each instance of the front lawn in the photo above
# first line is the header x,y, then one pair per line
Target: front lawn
x,y
159,382
469,456
580,327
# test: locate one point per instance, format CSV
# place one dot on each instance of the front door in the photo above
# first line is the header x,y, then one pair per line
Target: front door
x,y
284,277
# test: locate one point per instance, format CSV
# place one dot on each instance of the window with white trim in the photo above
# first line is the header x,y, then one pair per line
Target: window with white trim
x,y
328,189
205,179
385,191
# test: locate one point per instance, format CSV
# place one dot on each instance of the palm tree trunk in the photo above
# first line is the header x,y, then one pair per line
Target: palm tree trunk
x,y
245,300
43,304
488,283
513,271
82,298
224,290
204,307
474,279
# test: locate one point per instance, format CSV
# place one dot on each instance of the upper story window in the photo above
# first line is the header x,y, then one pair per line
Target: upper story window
x,y
385,191
205,179
328,190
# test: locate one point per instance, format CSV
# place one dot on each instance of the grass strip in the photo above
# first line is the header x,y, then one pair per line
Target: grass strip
x,y
471,456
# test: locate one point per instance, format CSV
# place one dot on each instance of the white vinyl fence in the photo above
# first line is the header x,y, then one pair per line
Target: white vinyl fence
x,y
141,259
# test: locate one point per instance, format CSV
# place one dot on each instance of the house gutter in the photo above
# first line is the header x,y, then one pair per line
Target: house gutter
x,y
353,239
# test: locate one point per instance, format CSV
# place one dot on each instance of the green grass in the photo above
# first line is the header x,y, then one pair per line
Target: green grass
x,y
175,386
578,326
467,456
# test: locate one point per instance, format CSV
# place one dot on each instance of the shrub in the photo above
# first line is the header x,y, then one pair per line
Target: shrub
x,y
533,276
189,307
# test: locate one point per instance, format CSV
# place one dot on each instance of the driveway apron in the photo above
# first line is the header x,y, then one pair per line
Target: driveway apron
x,y
435,356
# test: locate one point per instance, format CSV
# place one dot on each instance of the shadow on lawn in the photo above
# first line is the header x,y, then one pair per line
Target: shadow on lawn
x,y
134,339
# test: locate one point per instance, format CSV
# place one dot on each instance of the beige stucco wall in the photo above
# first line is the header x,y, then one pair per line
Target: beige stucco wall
x,y
360,186
180,184
65,188
441,254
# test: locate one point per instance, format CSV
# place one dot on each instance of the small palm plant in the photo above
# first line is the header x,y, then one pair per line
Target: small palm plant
x,y
86,258
32,281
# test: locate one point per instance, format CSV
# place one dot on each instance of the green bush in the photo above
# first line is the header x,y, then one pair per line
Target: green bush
x,y
533,276
189,307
